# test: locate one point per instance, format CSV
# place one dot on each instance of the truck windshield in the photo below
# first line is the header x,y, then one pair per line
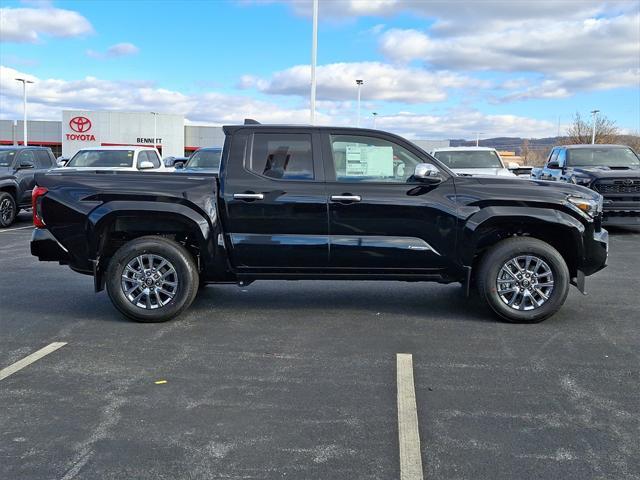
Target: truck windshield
x,y
469,159
6,157
599,157
205,159
102,158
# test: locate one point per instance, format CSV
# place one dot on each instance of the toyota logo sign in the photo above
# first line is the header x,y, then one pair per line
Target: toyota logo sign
x,y
80,124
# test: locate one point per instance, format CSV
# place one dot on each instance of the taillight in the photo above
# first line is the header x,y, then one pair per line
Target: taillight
x,y
36,206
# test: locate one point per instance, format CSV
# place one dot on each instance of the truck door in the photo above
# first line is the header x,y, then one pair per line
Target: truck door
x,y
26,165
274,200
380,220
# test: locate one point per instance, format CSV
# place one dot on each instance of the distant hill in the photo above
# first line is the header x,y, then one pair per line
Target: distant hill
x,y
511,143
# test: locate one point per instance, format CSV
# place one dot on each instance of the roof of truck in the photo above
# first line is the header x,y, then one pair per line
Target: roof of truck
x,y
596,145
467,149
120,147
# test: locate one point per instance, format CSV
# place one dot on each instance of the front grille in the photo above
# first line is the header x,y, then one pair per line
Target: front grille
x,y
617,185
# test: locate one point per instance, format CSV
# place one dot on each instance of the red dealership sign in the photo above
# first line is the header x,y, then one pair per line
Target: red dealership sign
x,y
80,125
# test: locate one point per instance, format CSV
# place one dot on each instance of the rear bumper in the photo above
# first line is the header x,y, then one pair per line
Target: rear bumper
x,y
47,248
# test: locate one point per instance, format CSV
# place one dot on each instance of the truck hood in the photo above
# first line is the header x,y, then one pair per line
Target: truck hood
x,y
607,172
502,172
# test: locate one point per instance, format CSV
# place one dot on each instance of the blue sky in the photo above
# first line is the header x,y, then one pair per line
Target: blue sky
x,y
431,69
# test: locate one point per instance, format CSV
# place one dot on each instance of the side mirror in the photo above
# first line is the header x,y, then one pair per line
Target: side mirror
x,y
553,165
25,165
513,166
145,165
179,165
427,172
63,162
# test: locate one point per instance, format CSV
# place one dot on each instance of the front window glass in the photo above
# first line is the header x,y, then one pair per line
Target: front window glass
x,y
205,159
6,157
358,158
102,158
469,159
610,157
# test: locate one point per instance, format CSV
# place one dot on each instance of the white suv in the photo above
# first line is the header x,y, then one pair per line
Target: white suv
x,y
118,158
473,161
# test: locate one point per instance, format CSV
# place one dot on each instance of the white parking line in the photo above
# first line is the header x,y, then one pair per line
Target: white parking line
x,y
410,457
18,228
20,364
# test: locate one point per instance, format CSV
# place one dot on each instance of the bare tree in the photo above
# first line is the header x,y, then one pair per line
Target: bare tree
x,y
580,131
525,151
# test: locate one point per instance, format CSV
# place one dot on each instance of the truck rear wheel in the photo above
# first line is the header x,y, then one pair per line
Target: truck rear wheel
x,y
8,209
152,279
523,279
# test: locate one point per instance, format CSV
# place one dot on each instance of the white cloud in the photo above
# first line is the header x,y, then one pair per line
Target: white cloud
x,y
382,82
48,97
25,25
117,50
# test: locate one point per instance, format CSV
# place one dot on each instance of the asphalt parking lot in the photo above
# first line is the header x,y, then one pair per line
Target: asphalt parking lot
x,y
298,380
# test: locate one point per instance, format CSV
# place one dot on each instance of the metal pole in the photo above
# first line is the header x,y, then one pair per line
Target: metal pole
x,y
314,60
359,84
24,108
155,129
593,127
477,138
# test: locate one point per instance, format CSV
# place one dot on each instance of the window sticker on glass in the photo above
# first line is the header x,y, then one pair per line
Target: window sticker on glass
x,y
369,161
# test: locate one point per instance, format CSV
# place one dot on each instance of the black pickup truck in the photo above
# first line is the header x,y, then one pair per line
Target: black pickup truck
x,y
611,170
18,166
319,203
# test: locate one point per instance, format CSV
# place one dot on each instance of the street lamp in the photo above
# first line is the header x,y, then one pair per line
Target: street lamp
x,y
593,127
155,128
24,106
314,60
375,116
359,84
478,138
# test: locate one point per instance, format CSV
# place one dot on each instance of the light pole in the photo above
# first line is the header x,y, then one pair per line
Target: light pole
x,y
359,84
155,128
593,128
314,60
375,117
24,107
478,138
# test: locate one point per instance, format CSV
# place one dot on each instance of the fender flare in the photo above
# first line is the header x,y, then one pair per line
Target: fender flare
x,y
478,224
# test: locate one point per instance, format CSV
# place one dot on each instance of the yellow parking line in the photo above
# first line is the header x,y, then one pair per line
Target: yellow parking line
x,y
20,364
409,437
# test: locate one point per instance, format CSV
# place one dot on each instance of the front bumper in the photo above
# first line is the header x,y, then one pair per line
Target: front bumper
x,y
596,252
47,248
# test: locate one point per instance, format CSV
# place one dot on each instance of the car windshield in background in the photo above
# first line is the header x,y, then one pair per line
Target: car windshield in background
x,y
205,159
102,158
471,159
6,158
597,157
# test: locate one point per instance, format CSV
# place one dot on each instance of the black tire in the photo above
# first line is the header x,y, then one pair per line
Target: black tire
x,y
492,263
185,274
8,209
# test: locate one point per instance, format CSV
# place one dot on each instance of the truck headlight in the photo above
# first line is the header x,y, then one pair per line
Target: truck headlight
x,y
588,207
580,180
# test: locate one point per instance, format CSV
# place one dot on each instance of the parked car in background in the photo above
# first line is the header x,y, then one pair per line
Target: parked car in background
x,y
323,203
611,170
118,158
61,161
205,159
473,161
18,166
174,162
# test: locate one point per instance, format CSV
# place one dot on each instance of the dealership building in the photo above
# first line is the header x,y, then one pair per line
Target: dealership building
x,y
83,128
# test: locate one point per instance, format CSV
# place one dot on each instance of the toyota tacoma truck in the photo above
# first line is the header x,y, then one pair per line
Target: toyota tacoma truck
x,y
321,203
611,170
18,166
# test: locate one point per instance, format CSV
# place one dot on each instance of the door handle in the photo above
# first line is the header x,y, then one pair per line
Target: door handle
x,y
248,196
346,198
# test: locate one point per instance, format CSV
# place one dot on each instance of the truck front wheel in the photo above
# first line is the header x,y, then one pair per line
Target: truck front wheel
x,y
523,279
152,279
8,209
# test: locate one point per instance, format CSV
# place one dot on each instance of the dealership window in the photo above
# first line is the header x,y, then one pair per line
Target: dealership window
x,y
282,156
358,158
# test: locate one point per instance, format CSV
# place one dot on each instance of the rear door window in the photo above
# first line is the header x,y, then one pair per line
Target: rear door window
x,y
42,159
282,156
